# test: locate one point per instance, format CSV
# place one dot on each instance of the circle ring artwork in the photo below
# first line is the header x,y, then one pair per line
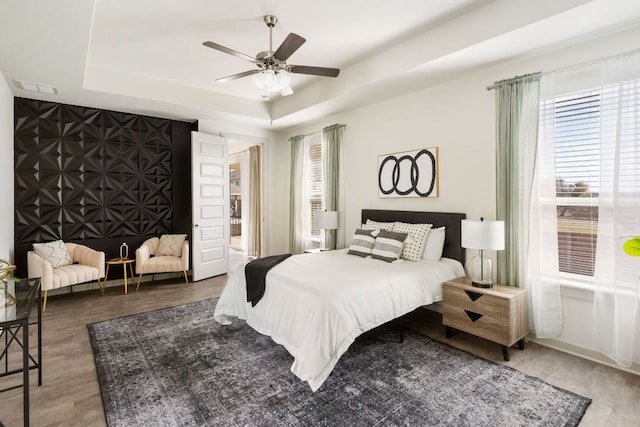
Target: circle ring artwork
x,y
414,176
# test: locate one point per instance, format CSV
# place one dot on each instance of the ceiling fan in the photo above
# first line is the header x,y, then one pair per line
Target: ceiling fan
x,y
269,75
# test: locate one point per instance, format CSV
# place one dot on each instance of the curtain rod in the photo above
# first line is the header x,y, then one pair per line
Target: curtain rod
x,y
570,67
318,131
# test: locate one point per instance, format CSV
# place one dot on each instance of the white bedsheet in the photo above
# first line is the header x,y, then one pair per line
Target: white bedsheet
x,y
316,305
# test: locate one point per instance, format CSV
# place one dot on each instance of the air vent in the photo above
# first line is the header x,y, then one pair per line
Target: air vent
x,y
36,87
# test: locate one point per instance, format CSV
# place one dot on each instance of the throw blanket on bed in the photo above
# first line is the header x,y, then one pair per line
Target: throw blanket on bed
x,y
255,273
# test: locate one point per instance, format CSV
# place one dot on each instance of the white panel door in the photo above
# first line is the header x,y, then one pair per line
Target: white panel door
x,y
210,186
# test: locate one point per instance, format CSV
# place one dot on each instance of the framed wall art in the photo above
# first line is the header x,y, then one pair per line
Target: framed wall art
x,y
408,174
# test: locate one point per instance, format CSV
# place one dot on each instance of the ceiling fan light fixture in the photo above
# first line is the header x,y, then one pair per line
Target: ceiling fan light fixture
x,y
272,81
271,76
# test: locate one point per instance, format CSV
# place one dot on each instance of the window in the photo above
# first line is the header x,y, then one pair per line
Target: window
x,y
313,188
580,122
576,130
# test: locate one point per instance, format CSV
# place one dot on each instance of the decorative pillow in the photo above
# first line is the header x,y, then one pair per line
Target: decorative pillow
x,y
413,248
388,245
377,225
435,244
369,227
363,242
55,252
171,244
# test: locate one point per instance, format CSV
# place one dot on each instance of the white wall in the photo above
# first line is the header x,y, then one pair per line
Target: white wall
x,y
458,117
6,171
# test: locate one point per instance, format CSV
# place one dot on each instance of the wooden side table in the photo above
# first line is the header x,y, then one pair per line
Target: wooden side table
x,y
119,261
498,314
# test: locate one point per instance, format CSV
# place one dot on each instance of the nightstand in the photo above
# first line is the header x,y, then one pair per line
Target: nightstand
x,y
498,314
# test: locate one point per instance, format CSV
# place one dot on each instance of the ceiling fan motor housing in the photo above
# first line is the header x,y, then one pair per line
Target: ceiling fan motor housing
x,y
270,20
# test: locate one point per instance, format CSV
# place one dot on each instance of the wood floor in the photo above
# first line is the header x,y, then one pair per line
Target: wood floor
x,y
70,395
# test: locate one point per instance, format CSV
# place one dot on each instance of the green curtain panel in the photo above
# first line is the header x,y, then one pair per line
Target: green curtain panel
x,y
295,195
517,105
332,173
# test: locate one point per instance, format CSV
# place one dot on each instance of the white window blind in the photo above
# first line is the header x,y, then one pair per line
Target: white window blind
x,y
313,184
576,130
581,122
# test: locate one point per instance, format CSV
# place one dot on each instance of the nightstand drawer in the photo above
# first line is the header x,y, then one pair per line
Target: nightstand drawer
x,y
482,325
498,313
478,302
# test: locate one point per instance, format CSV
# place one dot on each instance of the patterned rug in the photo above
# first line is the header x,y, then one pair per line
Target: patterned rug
x,y
178,367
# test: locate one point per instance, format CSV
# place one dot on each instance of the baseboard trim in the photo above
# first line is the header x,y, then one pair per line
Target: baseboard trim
x,y
585,353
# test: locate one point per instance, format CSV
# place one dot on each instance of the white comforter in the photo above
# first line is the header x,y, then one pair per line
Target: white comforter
x,y
315,305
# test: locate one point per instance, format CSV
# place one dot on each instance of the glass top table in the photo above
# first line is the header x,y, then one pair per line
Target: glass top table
x,y
17,299
16,302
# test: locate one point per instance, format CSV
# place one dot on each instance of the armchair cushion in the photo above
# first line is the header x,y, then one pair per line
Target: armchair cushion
x,y
149,260
161,264
55,252
171,244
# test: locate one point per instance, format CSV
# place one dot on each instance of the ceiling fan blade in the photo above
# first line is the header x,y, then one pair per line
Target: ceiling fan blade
x,y
288,46
224,49
237,76
316,71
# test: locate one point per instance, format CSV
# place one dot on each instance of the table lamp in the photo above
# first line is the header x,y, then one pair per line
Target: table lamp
x,y
483,236
326,220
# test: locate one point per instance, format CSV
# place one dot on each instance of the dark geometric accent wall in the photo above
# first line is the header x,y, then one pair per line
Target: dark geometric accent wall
x,y
97,177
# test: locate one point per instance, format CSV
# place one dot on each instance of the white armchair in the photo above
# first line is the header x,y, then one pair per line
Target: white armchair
x,y
148,260
87,265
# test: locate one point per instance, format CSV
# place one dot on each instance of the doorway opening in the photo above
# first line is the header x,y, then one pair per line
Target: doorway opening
x,y
245,201
235,193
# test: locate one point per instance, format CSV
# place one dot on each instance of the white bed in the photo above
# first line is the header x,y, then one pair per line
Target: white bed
x,y
316,305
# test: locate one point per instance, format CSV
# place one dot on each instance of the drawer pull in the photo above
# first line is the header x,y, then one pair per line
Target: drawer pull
x,y
473,295
473,316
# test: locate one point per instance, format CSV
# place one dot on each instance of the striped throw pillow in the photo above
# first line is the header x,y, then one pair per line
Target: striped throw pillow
x,y
362,242
388,245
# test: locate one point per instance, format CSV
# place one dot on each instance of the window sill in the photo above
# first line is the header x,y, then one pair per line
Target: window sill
x,y
577,288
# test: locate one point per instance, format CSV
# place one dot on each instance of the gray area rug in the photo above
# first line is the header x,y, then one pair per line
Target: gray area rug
x,y
178,367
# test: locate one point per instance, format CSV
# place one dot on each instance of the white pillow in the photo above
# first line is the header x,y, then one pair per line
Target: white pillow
x,y
435,244
413,247
55,252
363,242
171,244
377,225
388,245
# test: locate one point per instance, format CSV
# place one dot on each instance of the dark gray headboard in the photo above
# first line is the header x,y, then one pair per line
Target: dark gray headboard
x,y
452,222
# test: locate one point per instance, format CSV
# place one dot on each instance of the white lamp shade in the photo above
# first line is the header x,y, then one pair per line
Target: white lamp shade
x,y
327,220
484,235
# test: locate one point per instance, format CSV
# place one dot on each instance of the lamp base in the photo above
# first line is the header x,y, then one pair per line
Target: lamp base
x,y
483,284
481,271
